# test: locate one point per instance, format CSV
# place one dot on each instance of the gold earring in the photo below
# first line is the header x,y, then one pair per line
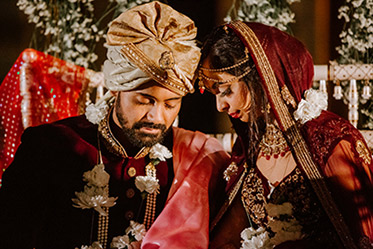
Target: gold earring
x,y
266,109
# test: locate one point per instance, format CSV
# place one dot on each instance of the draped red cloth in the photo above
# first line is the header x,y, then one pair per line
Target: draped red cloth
x,y
38,89
184,222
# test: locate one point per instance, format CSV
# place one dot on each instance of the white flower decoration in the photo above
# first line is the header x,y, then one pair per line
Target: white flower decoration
x,y
97,202
96,112
96,193
120,242
255,239
97,176
137,230
147,183
132,239
159,152
309,108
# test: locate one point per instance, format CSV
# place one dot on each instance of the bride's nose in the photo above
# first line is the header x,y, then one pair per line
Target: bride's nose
x,y
221,104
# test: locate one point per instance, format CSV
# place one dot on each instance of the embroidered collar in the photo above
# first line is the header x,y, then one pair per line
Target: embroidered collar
x,y
112,143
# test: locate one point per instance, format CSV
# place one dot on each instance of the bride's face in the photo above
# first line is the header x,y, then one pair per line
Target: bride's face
x,y
232,97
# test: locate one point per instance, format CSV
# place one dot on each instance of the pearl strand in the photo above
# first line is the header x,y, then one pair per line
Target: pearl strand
x,y
103,228
151,199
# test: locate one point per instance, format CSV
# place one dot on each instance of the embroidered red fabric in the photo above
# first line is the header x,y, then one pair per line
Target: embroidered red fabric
x,y
39,88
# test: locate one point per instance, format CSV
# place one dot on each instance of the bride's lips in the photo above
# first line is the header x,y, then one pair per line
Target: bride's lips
x,y
235,114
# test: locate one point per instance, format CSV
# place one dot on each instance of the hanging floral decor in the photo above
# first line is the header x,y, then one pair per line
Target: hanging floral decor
x,y
270,12
70,29
357,47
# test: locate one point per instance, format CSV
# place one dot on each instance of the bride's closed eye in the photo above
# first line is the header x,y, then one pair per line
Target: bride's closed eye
x,y
226,92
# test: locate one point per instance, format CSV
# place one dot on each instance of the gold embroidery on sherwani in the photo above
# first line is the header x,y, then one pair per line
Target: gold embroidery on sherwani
x,y
113,144
363,151
293,134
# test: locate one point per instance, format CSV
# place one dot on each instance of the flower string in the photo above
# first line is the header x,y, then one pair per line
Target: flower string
x,y
148,184
96,196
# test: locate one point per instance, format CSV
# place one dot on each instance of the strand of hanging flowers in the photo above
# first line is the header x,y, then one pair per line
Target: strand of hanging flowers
x,y
96,196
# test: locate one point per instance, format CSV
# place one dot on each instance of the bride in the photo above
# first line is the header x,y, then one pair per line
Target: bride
x,y
300,176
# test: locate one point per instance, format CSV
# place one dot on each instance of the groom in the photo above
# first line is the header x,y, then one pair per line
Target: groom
x,y
121,175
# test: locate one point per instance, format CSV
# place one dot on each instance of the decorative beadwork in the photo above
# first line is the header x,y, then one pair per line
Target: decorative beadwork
x,y
239,63
113,144
363,151
103,228
286,95
230,171
273,142
151,199
203,76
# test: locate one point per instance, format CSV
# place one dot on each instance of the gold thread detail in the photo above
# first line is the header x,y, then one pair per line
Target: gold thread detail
x,y
112,143
150,67
230,171
363,151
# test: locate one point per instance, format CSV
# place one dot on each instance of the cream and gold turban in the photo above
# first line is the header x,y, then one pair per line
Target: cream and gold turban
x,y
151,41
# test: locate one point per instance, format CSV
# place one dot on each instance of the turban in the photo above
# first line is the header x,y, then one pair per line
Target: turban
x,y
151,41
148,42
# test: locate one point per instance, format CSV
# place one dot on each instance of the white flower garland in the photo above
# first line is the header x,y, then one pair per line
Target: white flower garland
x,y
96,196
309,108
149,183
135,233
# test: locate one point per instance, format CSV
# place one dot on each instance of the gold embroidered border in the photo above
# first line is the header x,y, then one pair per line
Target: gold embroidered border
x,y
294,135
150,67
112,143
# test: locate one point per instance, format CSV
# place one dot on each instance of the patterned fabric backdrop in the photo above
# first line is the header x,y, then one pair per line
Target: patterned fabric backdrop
x,y
38,89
